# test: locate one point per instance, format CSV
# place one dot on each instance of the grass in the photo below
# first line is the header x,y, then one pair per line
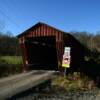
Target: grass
x,y
10,60
10,65
73,82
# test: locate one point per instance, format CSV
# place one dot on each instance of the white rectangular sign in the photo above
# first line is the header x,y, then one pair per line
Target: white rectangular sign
x,y
67,51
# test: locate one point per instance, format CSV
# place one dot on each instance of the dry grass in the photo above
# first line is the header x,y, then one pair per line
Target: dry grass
x,y
74,82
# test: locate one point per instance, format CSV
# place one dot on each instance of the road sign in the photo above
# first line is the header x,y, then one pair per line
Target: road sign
x,y
66,61
67,51
66,57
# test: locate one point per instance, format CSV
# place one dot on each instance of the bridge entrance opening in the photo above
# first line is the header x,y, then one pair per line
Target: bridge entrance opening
x,y
42,53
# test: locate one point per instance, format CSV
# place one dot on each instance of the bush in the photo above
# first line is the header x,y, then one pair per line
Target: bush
x,y
9,69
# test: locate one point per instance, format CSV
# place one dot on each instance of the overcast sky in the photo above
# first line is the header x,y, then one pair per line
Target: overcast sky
x,y
68,15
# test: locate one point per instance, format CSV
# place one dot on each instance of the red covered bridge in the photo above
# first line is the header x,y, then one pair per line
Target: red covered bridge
x,y
43,47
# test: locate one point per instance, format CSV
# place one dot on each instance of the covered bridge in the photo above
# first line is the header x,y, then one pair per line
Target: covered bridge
x,y
43,47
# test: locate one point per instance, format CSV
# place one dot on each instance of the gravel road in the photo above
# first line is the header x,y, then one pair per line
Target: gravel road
x,y
58,95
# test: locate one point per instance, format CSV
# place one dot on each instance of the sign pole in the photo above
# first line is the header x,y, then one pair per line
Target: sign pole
x,y
65,70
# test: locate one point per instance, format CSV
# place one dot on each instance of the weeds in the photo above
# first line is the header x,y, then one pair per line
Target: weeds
x,y
74,81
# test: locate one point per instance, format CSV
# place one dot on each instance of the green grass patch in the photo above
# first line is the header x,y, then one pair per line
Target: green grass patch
x,y
10,65
10,60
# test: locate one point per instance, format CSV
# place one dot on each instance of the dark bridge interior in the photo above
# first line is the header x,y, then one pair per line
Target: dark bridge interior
x,y
42,53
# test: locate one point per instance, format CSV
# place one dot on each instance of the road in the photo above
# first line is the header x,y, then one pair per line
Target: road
x,y
12,85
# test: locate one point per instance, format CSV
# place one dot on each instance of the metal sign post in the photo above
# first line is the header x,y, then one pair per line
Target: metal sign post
x,y
65,72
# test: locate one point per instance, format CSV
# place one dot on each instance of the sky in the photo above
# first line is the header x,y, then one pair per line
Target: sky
x,y
68,15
